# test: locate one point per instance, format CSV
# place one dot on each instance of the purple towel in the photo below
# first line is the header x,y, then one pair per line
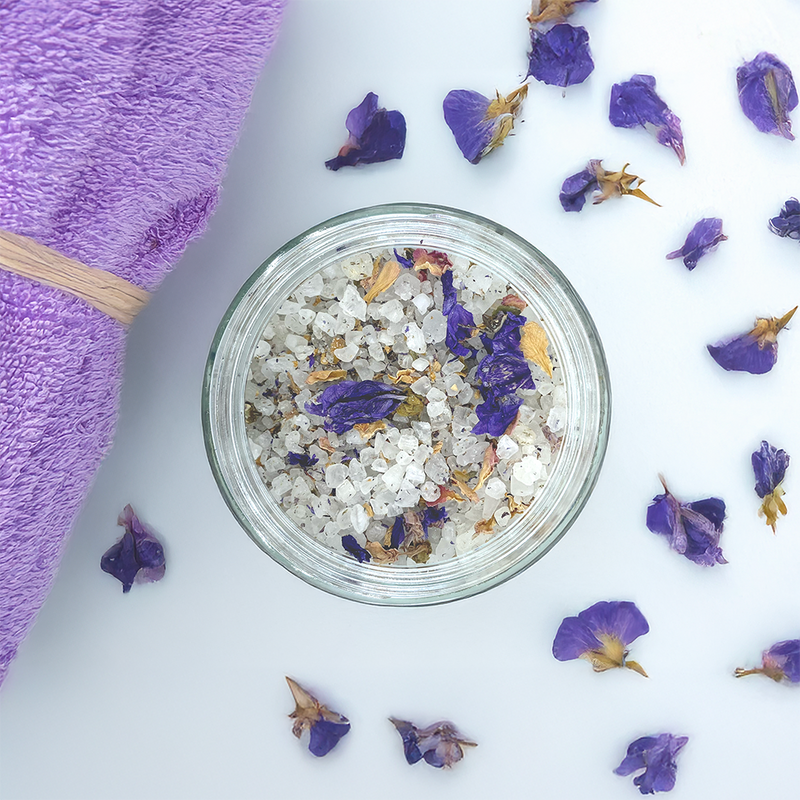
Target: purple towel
x,y
116,119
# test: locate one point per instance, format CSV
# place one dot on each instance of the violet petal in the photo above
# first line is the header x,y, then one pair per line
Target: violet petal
x,y
785,656
636,103
505,370
561,55
351,545
352,402
375,135
703,238
302,460
769,465
325,736
496,413
440,744
656,756
137,557
787,223
745,354
576,187
767,94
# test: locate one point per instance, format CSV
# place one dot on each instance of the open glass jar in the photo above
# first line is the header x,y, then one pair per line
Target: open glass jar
x,y
551,300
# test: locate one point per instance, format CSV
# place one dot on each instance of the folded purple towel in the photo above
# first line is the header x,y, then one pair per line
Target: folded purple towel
x,y
116,119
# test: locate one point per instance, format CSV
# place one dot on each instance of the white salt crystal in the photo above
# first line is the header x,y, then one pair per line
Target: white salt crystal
x,y
527,470
454,385
392,311
420,364
363,369
436,409
335,475
436,469
403,458
367,486
407,495
343,519
379,465
434,326
255,449
353,304
506,448
422,302
325,323
495,488
422,430
346,353
376,352
415,474
345,491
414,337
393,477
357,471
359,519
385,338
435,395
280,485
357,267
295,342
288,307
354,337
502,516
406,286
422,454
556,418
429,491
408,442
421,386
263,349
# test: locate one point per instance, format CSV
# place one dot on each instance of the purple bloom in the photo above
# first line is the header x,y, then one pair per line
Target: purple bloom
x,y
787,223
767,94
326,726
781,662
137,557
398,533
375,135
440,744
404,262
635,103
497,411
560,56
601,635
693,529
756,351
478,123
506,371
351,402
355,549
769,465
702,239
602,183
656,756
460,323
302,460
507,339
433,515
576,187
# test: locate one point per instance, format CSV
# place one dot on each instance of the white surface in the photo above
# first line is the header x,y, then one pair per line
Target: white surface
x,y
176,690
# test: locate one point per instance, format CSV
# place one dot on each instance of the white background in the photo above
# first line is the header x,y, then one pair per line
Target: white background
x,y
177,689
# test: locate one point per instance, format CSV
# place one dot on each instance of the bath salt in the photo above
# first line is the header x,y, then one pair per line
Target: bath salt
x,y
404,401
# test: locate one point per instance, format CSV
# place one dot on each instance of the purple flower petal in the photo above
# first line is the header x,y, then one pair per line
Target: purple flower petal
x,y
601,634
787,223
561,55
326,727
656,756
440,744
767,94
781,663
479,124
375,135
404,262
635,103
506,371
325,736
693,529
352,402
460,323
576,187
756,351
398,533
508,338
137,557
434,515
350,544
703,238
301,460
769,465
497,412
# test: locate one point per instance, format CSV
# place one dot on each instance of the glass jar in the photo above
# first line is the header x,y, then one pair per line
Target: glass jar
x,y
551,301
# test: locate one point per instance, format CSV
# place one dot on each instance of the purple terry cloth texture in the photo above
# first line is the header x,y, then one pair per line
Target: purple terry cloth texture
x,y
116,120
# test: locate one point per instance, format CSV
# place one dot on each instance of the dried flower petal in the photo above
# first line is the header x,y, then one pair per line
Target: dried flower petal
x,y
787,223
382,555
347,403
389,273
693,529
550,10
478,123
369,429
460,322
561,55
601,635
435,516
440,744
770,465
322,375
352,546
490,459
602,183
326,726
434,261
533,342
703,238
398,533
375,135
781,663
137,557
656,756
767,94
635,103
756,351
302,460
